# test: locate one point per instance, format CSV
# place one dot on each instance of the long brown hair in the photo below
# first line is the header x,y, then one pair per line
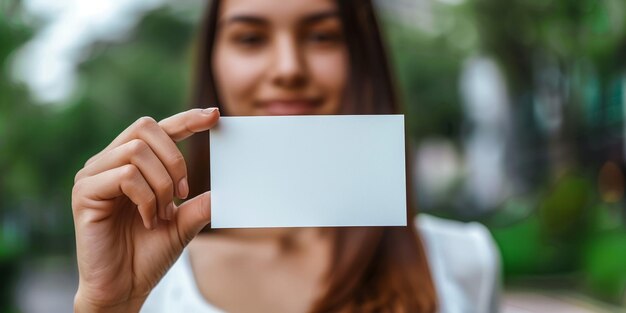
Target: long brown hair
x,y
373,269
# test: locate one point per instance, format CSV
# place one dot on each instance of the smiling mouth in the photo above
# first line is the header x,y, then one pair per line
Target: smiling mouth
x,y
290,107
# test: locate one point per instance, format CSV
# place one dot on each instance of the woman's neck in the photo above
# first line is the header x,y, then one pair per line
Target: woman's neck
x,y
259,264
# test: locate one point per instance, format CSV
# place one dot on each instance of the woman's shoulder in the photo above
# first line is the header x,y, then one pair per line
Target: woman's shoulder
x,y
455,234
464,262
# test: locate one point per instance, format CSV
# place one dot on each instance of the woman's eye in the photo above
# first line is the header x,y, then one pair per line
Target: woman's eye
x,y
249,40
323,37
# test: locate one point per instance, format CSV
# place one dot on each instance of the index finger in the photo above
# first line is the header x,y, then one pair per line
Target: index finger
x,y
185,124
176,127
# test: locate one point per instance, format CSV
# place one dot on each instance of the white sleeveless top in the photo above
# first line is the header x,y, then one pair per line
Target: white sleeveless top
x,y
463,258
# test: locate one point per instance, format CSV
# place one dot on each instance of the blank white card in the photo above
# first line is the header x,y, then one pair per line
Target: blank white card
x,y
297,171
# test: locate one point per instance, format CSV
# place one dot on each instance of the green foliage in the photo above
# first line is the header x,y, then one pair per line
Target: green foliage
x,y
603,264
427,66
43,146
427,71
521,245
564,211
517,31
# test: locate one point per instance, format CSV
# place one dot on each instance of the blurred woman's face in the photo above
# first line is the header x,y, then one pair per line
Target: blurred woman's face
x,y
277,57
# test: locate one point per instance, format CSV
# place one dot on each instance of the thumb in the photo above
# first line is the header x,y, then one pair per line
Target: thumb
x,y
192,216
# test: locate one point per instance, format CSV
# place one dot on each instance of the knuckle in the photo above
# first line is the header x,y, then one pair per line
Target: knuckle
x,y
79,175
150,201
165,187
137,146
77,191
178,161
90,160
145,121
129,172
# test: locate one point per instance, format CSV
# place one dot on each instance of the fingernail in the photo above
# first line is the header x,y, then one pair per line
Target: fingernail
x,y
169,211
183,188
209,110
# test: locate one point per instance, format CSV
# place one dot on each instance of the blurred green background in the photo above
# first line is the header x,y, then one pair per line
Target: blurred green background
x,y
516,110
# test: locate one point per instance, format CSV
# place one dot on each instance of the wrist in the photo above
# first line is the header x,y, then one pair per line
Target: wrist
x,y
82,305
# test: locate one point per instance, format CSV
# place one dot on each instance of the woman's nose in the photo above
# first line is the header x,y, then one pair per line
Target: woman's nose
x,y
289,70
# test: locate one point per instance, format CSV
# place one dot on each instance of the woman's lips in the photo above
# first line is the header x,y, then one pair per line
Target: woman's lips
x,y
289,107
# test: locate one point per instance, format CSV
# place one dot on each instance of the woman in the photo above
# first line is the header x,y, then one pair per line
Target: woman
x,y
266,57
